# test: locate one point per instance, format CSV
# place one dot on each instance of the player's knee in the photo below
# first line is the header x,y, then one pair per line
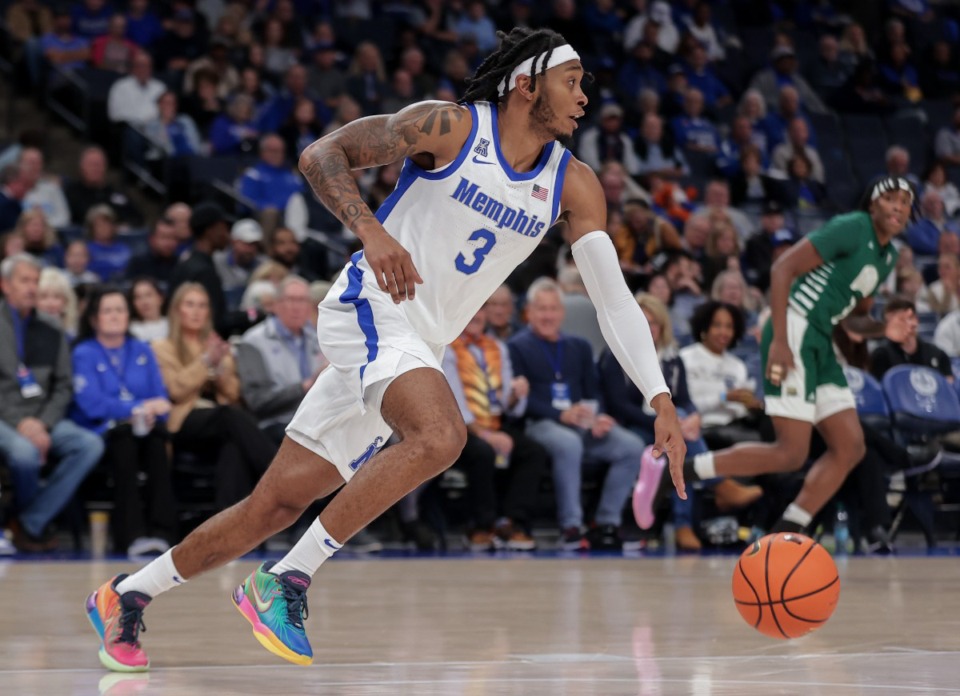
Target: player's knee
x,y
445,444
851,450
277,510
788,458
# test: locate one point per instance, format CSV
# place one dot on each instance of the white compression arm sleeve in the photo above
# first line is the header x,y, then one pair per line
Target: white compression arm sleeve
x,y
622,323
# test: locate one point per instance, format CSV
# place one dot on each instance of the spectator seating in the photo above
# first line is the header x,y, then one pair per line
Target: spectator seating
x,y
872,404
923,406
922,403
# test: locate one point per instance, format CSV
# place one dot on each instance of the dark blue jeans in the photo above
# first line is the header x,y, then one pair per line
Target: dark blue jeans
x,y
76,452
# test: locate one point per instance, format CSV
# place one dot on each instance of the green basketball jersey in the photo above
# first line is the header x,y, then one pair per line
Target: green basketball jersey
x,y
854,265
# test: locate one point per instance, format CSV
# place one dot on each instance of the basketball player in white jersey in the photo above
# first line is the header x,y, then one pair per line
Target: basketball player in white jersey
x,y
481,184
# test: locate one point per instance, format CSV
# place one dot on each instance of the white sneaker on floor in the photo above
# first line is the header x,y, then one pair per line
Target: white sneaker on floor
x,y
147,546
6,546
363,542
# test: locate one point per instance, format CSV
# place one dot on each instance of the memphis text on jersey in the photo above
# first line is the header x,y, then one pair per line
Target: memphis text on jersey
x,y
502,215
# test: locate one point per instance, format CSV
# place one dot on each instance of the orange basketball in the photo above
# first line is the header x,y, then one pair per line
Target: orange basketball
x,y
785,585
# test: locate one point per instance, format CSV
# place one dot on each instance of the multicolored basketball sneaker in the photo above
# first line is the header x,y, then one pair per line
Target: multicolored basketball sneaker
x,y
118,620
276,607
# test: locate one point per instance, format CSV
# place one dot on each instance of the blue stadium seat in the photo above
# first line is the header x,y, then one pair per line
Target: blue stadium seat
x,y
872,405
921,401
924,405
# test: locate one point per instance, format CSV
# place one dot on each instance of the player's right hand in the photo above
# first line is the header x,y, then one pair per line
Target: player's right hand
x,y
779,361
392,266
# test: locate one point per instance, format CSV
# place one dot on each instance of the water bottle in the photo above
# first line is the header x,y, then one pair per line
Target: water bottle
x,y
138,421
841,530
99,533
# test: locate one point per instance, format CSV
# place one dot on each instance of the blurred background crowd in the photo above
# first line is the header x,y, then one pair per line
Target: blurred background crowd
x,y
163,256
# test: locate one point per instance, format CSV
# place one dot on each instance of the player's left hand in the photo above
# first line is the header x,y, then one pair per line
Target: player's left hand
x,y
392,266
668,440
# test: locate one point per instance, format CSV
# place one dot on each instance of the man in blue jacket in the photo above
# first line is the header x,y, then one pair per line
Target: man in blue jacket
x,y
564,416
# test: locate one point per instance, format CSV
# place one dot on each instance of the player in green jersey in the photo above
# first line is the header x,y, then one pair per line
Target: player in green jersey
x,y
827,278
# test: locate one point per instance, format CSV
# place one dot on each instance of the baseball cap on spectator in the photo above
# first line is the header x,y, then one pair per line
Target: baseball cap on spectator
x,y
247,230
782,237
206,215
611,109
772,207
782,52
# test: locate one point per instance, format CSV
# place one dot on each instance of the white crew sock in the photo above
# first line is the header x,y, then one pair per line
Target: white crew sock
x,y
308,554
796,514
157,576
703,466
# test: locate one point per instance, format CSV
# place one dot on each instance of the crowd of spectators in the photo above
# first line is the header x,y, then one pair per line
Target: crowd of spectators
x,y
721,131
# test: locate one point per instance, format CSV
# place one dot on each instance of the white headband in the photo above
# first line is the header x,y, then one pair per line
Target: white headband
x,y
561,54
891,183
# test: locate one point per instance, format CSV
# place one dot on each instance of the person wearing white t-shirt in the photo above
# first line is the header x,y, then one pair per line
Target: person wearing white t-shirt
x,y
719,382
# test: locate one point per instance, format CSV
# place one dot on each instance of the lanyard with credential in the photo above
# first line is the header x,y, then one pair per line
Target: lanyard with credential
x,y
555,359
495,406
29,388
20,333
120,370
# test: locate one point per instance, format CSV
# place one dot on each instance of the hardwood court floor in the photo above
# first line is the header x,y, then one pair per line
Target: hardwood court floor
x,y
529,626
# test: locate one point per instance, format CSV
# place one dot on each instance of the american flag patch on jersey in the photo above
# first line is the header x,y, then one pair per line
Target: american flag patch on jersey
x,y
539,193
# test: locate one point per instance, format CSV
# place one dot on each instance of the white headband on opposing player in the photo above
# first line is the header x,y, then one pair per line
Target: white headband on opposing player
x,y
561,54
891,183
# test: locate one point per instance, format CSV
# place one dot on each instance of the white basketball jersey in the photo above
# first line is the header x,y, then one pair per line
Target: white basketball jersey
x,y
468,225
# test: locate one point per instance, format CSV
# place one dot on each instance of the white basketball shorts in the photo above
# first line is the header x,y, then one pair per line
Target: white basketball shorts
x,y
369,343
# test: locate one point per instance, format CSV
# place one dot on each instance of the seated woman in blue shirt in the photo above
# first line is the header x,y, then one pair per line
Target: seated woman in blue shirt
x,y
172,134
626,404
119,393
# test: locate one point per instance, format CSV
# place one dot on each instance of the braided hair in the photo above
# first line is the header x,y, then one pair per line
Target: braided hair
x,y
521,43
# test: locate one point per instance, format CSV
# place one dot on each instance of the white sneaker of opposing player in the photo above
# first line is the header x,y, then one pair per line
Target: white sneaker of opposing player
x,y
147,546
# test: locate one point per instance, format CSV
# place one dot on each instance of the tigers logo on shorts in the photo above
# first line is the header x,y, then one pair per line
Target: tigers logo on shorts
x,y
367,453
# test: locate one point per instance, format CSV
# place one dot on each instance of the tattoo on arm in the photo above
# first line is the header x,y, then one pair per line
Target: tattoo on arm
x,y
369,142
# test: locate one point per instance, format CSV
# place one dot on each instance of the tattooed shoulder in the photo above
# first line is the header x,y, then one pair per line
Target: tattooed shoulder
x,y
421,127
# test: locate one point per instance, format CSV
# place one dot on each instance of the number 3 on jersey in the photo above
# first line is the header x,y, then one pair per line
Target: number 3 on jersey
x,y
487,240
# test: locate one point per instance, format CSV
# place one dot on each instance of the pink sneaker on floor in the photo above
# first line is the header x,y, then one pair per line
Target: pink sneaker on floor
x,y
648,490
118,620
